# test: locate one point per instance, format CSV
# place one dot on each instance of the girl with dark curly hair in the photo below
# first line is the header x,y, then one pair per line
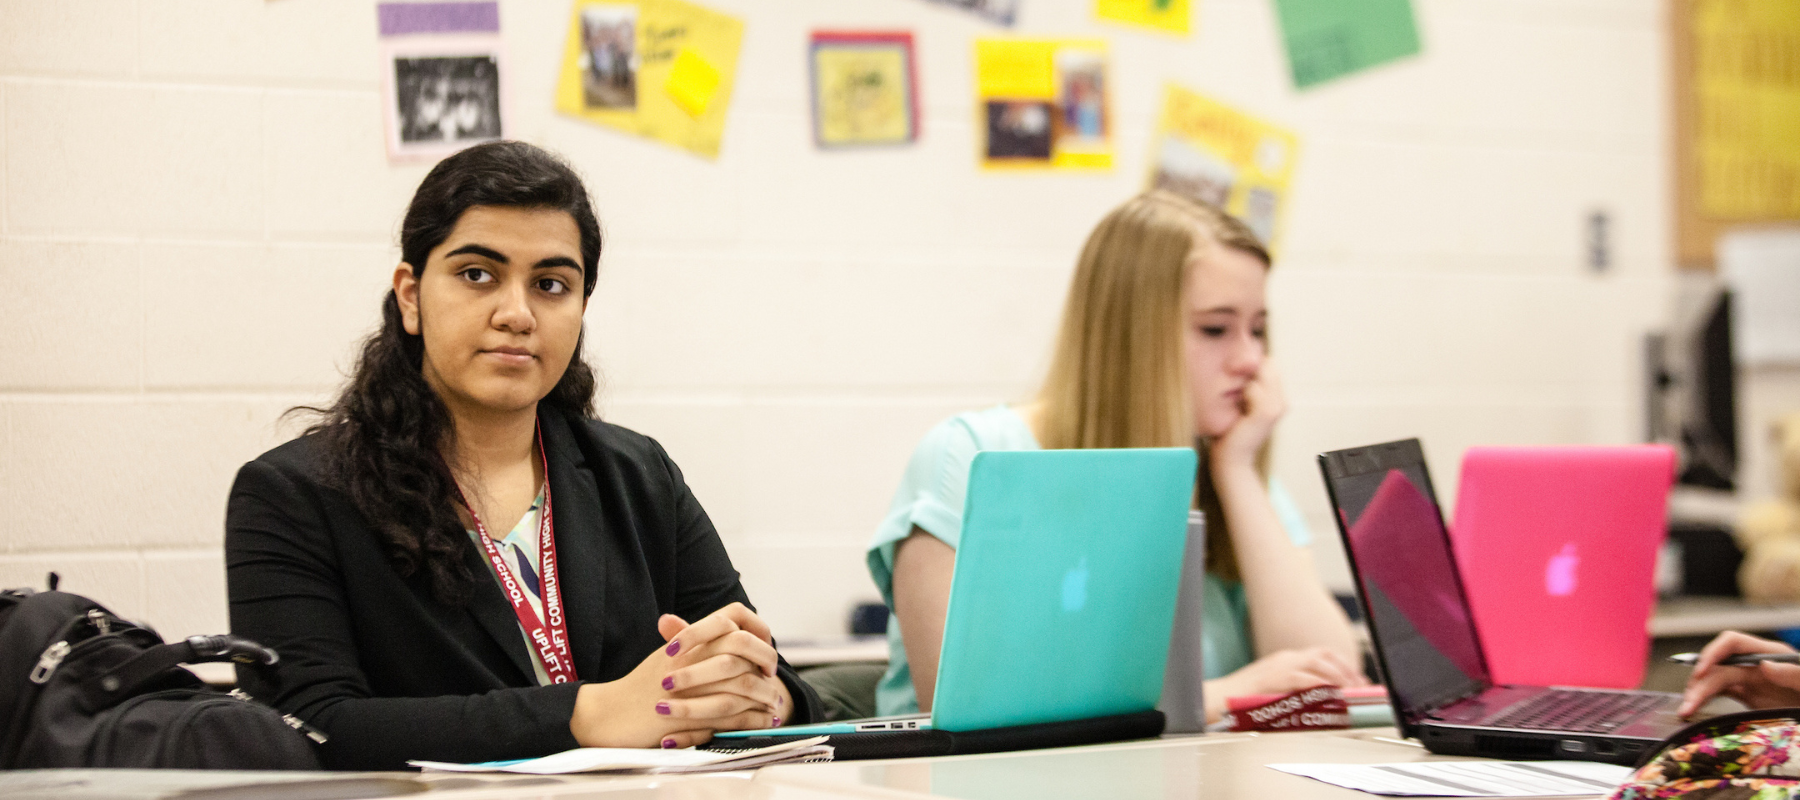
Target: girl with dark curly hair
x,y
459,562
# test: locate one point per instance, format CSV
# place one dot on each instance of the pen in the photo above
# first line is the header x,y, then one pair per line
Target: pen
x,y
1741,659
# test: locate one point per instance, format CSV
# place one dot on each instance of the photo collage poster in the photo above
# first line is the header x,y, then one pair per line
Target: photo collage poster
x,y
1214,153
1043,103
662,69
864,89
441,83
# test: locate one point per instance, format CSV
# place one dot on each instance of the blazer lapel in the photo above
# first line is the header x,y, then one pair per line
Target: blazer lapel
x,y
576,510
495,615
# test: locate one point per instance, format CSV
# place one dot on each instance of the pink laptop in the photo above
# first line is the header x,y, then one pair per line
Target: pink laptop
x,y
1557,550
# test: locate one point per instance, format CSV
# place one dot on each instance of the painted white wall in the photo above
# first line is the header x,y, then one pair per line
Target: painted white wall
x,y
197,219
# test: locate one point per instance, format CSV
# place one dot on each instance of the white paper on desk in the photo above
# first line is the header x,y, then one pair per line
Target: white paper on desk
x,y
617,759
1469,778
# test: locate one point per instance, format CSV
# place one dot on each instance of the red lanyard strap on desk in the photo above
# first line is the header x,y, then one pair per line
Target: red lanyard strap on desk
x,y
549,635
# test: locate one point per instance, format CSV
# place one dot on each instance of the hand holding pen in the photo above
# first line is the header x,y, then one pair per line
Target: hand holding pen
x,y
1769,679
1740,659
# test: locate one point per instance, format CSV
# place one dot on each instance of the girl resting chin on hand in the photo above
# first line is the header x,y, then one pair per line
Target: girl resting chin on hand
x,y
1163,343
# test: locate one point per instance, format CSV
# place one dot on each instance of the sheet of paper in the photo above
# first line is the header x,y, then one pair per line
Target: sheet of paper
x,y
1469,778
1330,38
1748,136
1762,267
663,69
1217,154
1173,16
1043,103
615,759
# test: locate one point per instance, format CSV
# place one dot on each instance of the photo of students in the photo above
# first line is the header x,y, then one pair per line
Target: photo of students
x,y
459,561
1163,343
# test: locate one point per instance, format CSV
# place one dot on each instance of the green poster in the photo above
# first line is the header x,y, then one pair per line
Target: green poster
x,y
1329,38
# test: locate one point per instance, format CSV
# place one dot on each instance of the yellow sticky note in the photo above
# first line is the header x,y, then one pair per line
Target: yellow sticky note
x,y
1168,15
1017,68
692,82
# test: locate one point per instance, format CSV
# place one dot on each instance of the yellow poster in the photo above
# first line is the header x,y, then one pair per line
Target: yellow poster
x,y
657,68
1173,16
1216,154
1042,103
863,89
1747,89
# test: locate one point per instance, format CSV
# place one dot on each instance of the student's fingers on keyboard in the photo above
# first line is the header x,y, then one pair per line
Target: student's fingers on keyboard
x,y
1348,674
1327,666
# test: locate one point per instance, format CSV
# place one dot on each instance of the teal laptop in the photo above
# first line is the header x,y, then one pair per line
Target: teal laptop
x,y
1064,591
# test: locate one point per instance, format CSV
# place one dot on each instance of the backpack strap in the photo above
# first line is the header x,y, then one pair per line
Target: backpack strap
x,y
109,687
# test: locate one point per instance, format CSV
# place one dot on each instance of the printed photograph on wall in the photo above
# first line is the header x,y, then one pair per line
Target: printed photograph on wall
x,y
1043,103
609,59
863,89
443,87
1081,100
1019,130
450,100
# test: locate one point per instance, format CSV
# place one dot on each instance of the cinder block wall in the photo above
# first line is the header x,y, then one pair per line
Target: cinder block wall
x,y
197,219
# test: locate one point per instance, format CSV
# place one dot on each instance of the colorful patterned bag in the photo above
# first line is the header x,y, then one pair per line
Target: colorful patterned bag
x,y
1750,755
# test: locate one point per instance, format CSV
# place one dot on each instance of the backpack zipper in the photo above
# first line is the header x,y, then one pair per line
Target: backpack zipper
x,y
48,662
298,724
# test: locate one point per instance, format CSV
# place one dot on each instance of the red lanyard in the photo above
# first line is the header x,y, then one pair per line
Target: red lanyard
x,y
552,640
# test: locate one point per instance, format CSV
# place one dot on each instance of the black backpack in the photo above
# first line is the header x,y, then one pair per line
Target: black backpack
x,y
81,687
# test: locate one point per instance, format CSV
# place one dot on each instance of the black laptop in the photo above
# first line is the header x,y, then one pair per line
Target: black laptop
x,y
1425,638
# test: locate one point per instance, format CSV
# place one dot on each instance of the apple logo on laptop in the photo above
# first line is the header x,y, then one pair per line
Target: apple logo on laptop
x,y
1074,587
1559,574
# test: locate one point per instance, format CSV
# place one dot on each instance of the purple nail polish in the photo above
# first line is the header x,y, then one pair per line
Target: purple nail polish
x,y
662,708
777,723
668,744
669,683
674,647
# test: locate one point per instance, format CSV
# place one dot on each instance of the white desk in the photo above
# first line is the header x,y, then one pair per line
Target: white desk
x,y
1225,766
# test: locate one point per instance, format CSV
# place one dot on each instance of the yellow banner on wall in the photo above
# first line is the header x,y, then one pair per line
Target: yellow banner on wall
x,y
657,68
1042,103
1218,155
1747,91
1174,16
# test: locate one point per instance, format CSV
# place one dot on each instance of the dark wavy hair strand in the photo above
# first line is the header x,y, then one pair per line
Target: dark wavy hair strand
x,y
385,433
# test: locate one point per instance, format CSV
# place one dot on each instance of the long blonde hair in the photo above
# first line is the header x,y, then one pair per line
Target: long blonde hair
x,y
1118,377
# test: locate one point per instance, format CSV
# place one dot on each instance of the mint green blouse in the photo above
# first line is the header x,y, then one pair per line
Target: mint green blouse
x,y
931,497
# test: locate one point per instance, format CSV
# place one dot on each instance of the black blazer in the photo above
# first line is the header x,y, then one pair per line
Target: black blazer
x,y
390,674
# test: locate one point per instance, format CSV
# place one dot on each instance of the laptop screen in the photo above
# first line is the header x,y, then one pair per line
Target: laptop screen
x,y
1401,554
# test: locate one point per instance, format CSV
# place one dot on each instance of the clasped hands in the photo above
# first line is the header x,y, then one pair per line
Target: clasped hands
x,y
717,674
